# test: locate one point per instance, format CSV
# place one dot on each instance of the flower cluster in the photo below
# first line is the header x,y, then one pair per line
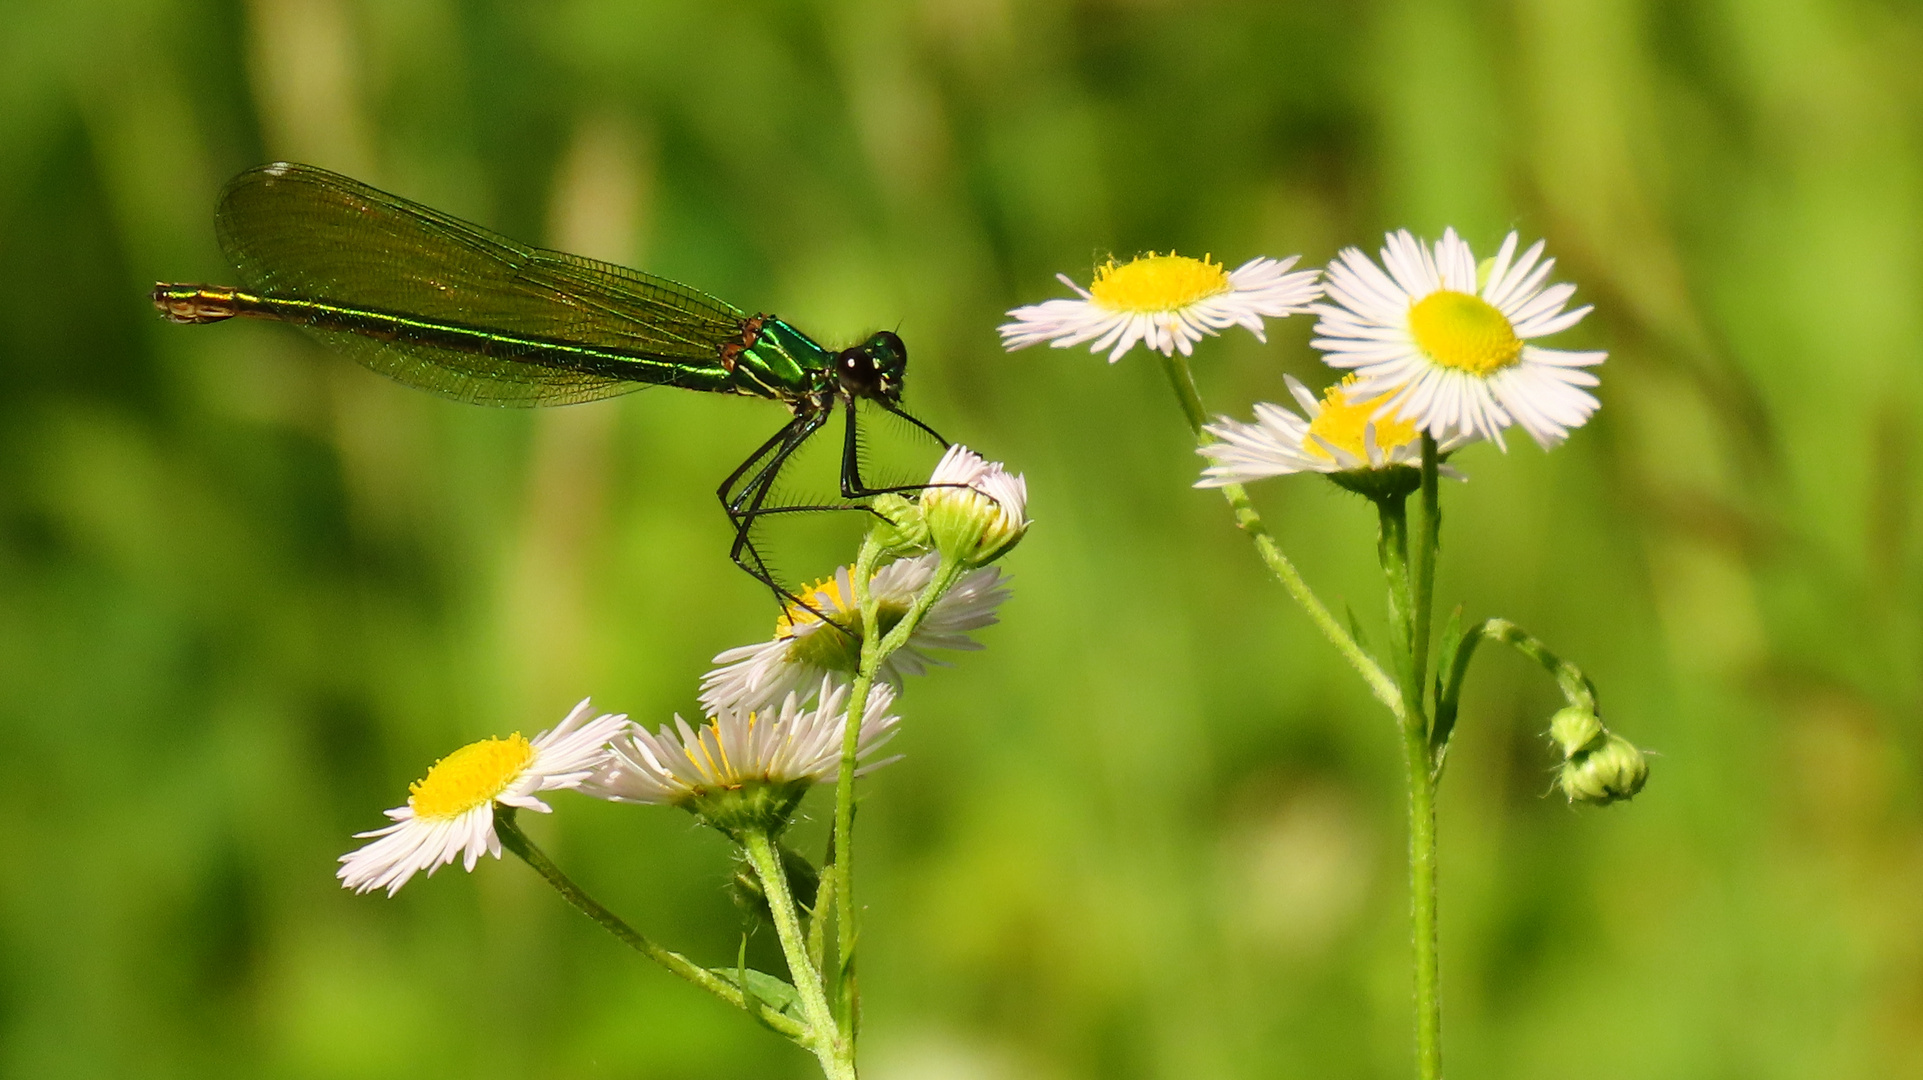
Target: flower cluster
x,y
776,710
1437,344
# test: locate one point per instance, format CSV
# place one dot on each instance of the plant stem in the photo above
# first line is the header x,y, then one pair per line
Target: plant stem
x,y
874,650
1250,522
831,1046
1576,687
1392,548
1422,900
518,842
843,870
1408,619
1427,536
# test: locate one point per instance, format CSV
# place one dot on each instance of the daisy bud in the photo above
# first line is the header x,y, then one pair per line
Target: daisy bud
x,y
1575,729
1598,766
900,528
803,883
975,511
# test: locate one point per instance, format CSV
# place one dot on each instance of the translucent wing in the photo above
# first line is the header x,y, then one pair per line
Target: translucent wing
x,y
296,232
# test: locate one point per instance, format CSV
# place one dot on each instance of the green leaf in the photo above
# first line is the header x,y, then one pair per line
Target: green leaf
x,y
1355,631
759,986
1452,663
1446,652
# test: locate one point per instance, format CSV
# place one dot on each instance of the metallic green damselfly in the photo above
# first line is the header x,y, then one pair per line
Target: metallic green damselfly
x,y
440,304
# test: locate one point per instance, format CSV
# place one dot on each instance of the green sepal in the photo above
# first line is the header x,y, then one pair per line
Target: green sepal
x,y
1388,482
754,805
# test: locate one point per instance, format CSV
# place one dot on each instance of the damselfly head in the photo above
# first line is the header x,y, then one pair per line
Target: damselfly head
x,y
874,368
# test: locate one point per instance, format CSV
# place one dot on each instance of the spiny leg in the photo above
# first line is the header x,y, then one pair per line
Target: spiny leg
x,y
746,503
726,492
852,485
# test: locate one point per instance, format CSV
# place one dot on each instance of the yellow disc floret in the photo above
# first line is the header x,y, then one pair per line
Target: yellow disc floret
x,y
1464,332
824,597
1152,282
470,777
836,646
1342,424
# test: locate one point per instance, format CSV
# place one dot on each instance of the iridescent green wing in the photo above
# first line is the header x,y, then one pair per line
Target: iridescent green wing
x,y
447,306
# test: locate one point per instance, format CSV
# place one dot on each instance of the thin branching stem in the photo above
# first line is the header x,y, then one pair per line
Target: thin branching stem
x,y
875,649
519,843
1406,614
1250,522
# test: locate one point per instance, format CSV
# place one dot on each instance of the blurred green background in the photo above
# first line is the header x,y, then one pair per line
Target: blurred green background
x,y
248,590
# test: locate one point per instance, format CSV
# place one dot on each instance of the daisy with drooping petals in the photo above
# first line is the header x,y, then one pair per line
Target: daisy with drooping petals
x,y
1341,434
805,649
1166,302
1450,347
745,767
450,812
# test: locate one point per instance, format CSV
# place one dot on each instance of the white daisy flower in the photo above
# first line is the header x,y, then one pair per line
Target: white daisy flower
x,y
1167,302
805,650
745,768
976,510
450,812
1450,346
1341,434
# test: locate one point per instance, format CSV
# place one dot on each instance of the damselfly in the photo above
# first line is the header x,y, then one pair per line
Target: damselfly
x,y
449,307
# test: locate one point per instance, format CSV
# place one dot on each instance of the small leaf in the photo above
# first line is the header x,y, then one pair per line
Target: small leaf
x,y
1446,651
759,986
1355,631
1452,663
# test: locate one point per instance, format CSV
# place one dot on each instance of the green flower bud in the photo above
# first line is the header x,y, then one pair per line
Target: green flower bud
x,y
1607,771
975,510
1575,729
803,883
901,529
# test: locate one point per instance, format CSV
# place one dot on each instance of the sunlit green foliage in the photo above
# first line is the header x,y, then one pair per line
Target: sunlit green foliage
x,y
248,591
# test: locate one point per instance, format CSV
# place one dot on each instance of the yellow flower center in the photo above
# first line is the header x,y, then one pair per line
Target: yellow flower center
x,y
1157,282
1464,332
824,597
469,777
1342,424
835,650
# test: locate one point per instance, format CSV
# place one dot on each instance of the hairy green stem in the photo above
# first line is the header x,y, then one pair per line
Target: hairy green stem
x,y
1409,619
1392,548
874,650
841,872
1250,522
1422,901
831,1046
518,842
1576,687
1428,531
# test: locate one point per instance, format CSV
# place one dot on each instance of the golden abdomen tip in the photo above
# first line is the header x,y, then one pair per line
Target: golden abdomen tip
x,y
196,303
